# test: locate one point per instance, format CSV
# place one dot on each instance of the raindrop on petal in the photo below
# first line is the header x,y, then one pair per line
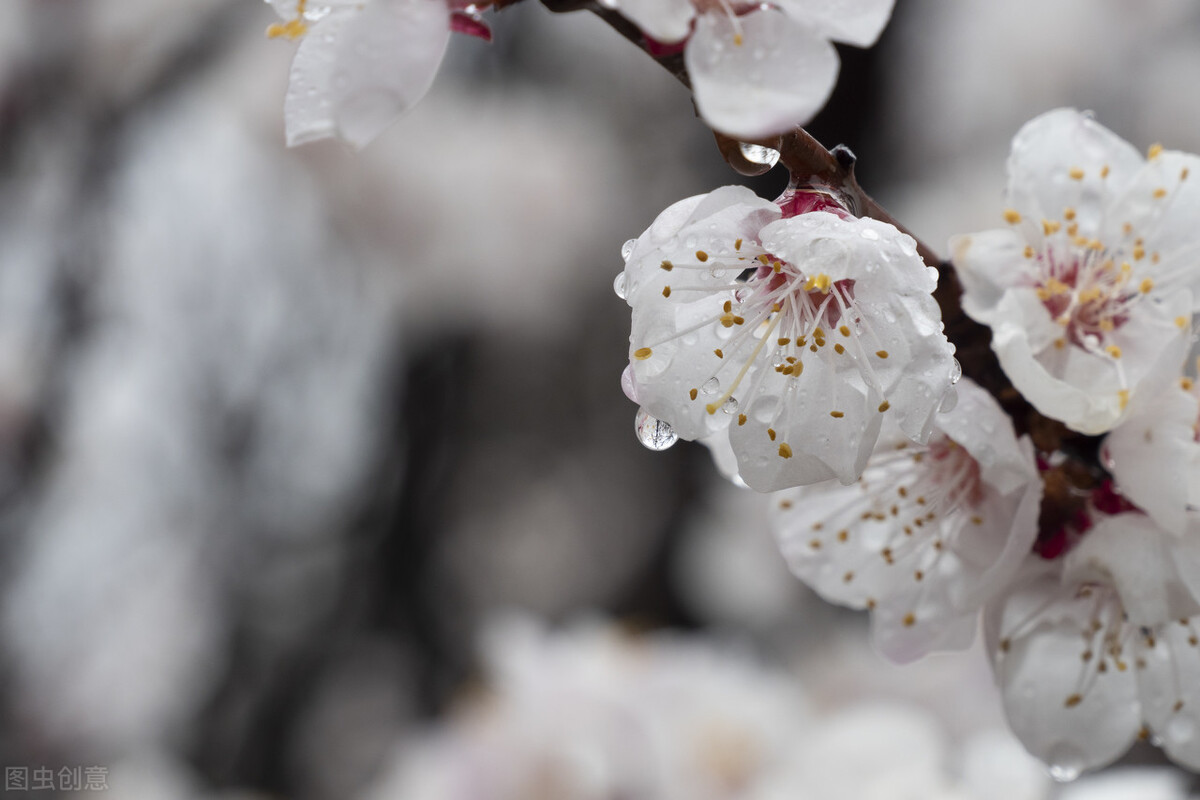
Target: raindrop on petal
x,y
711,386
949,400
757,154
627,250
627,384
619,285
653,433
955,372
730,406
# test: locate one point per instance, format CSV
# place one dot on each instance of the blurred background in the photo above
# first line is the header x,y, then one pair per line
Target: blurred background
x,y
306,454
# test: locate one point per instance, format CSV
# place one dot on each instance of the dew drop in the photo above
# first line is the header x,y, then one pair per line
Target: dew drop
x,y
870,234
653,433
711,386
619,285
757,154
955,372
1065,763
627,384
627,250
730,406
949,400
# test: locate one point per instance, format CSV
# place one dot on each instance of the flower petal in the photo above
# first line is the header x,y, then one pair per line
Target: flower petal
x,y
856,22
666,21
359,69
777,77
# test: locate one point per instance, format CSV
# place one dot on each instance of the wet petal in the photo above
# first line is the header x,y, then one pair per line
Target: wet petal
x,y
856,22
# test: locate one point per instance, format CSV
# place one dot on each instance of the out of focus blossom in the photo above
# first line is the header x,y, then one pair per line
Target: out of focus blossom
x,y
360,64
927,535
1092,284
791,336
756,69
1102,647
593,713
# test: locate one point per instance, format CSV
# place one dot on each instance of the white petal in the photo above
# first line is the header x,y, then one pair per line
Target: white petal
x,y
1062,708
357,70
1161,204
856,22
1154,453
1137,557
989,264
664,20
1052,148
779,76
1170,688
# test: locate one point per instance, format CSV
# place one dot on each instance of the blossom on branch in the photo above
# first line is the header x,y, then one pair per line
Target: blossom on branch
x,y
1102,647
927,535
1092,285
791,337
758,69
362,63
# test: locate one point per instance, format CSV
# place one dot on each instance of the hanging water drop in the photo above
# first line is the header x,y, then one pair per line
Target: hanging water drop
x,y
955,372
627,384
653,433
949,400
730,406
627,250
619,285
870,234
757,154
1065,763
711,386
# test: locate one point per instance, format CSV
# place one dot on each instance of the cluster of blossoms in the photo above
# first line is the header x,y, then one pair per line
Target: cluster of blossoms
x,y
803,346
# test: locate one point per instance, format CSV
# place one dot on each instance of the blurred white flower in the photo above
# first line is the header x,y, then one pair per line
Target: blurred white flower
x,y
927,535
758,69
360,64
1103,647
1093,282
790,336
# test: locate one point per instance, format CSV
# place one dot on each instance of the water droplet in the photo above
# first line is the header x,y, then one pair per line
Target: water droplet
x,y
870,234
730,406
757,154
955,372
619,285
711,386
627,250
1065,763
627,384
653,433
716,272
949,400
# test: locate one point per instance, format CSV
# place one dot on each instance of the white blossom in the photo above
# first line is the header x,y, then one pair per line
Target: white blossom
x,y
758,70
1155,456
1092,284
1102,647
927,535
360,64
792,336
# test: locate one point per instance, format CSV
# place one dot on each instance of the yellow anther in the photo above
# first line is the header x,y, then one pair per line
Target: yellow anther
x,y
1146,286
764,259
737,39
836,414
1123,396
1012,216
1051,226
1139,253
693,392
884,406
785,451
783,341
777,267
642,353
741,419
1104,171
726,320
1107,325
1113,351
1181,322
737,245
818,333
1068,213
976,520
728,306
910,619
839,349
1183,174
844,331
1073,701
1073,229
1127,228
1076,174
881,353
666,291
1186,384
1155,151
1126,267
739,320
1079,241
771,434
719,353
1096,244
292,29
667,265
1028,251
1160,193
1059,344
701,255
711,408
